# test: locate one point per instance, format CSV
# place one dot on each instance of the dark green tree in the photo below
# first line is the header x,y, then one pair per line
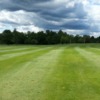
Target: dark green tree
x,y
18,37
41,38
7,37
31,38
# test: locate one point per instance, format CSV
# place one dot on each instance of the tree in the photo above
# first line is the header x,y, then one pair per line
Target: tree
x,y
41,37
97,40
63,37
1,41
31,38
51,37
18,37
86,38
7,37
70,39
92,39
76,39
64,40
48,37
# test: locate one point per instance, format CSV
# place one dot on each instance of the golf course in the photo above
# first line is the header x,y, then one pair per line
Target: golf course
x,y
50,72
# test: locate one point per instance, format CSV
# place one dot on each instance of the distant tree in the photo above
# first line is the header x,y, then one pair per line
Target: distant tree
x,y
51,37
7,37
41,37
70,39
47,37
92,39
77,39
63,37
64,40
60,35
86,38
97,40
18,38
1,41
31,38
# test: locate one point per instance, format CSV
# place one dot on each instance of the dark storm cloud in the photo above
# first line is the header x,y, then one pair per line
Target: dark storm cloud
x,y
76,25
28,5
62,12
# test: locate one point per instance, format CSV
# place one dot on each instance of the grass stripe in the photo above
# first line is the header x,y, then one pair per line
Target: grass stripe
x,y
14,63
90,56
72,79
8,56
17,50
94,50
30,81
10,47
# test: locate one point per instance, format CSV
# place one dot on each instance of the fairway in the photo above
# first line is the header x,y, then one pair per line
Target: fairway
x,y
54,72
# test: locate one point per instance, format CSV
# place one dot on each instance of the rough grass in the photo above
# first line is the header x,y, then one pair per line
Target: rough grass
x,y
69,72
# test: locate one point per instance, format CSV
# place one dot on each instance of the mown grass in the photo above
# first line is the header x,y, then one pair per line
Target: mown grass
x,y
68,72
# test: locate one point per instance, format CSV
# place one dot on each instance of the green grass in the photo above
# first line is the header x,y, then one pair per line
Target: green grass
x,y
60,72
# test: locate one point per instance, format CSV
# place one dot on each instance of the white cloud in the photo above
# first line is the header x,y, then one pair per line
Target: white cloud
x,y
1,25
74,32
70,4
94,12
96,34
22,20
19,17
29,28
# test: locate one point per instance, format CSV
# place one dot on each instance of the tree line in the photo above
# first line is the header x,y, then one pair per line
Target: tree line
x,y
47,37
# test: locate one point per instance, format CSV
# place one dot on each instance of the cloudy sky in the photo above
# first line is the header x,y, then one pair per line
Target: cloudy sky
x,y
73,16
